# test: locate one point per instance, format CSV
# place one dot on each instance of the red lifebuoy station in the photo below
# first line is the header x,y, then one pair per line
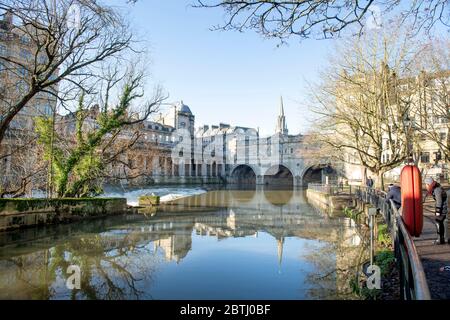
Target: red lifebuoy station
x,y
412,208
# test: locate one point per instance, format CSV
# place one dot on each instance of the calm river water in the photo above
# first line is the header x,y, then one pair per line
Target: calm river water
x,y
224,244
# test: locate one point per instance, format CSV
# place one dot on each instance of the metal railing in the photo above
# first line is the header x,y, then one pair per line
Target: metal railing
x,y
332,189
413,283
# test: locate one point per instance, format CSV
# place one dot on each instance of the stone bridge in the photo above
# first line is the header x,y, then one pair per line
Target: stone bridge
x,y
294,172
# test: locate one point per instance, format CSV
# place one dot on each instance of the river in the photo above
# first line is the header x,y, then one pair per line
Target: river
x,y
221,244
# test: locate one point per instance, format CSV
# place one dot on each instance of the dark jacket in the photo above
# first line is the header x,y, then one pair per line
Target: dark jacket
x,y
395,194
440,196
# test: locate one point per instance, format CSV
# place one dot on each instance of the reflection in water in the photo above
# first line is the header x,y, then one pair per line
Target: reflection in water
x,y
251,244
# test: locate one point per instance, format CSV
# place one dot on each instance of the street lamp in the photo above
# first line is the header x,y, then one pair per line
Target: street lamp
x,y
408,125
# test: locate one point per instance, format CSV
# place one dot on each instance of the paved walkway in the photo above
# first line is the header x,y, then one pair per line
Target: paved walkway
x,y
434,257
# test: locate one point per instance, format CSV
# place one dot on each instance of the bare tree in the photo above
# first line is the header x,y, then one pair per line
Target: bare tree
x,y
321,18
97,134
49,48
363,104
22,165
431,115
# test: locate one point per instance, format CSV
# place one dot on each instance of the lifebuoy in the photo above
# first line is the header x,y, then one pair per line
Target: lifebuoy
x,y
412,208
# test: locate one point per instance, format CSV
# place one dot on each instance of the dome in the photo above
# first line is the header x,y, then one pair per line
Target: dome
x,y
184,108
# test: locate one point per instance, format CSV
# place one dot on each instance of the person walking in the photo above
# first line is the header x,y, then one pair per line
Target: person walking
x,y
441,208
369,183
394,194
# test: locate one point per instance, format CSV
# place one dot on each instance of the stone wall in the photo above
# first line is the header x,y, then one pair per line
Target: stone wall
x,y
333,205
19,213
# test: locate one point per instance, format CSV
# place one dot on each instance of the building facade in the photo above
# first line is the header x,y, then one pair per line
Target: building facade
x,y
19,159
222,153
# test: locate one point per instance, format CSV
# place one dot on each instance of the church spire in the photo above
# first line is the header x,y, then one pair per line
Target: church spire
x,y
281,107
280,245
281,122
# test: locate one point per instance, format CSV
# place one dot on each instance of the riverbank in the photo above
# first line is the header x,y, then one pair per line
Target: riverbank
x,y
384,258
165,192
22,213
332,204
261,244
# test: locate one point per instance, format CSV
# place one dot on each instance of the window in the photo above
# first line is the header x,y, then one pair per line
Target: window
x,y
425,157
443,136
42,59
23,72
3,50
25,40
182,124
25,54
22,86
437,156
440,119
48,110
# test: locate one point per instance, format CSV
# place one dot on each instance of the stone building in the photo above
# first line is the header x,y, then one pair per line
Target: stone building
x,y
19,160
223,153
421,116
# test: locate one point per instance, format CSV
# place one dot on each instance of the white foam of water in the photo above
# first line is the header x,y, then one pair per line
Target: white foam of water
x,y
166,194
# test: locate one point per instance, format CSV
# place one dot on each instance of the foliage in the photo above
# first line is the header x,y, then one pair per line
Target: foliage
x,y
352,213
78,166
30,204
63,58
323,18
384,237
385,259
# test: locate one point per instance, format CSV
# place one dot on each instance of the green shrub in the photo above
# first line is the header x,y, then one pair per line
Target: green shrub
x,y
385,260
351,213
384,237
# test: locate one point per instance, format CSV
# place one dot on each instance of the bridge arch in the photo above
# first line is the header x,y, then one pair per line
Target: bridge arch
x,y
243,174
278,198
316,174
279,175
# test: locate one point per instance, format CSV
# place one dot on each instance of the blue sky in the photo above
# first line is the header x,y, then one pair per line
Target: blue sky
x,y
230,77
